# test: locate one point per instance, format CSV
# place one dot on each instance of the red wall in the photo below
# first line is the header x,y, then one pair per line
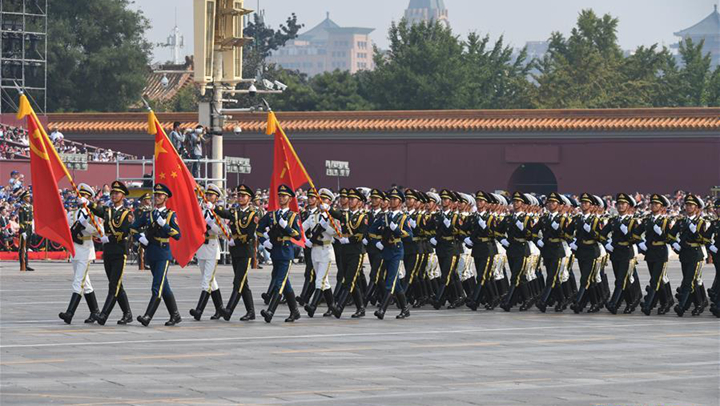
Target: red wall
x,y
598,165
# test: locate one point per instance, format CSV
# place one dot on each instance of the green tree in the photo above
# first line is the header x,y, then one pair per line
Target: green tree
x,y
97,55
338,90
695,75
713,90
265,40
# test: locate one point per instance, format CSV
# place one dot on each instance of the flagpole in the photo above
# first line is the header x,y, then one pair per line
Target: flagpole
x,y
215,216
46,141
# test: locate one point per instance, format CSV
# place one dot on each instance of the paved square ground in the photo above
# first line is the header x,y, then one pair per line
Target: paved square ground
x,y
447,357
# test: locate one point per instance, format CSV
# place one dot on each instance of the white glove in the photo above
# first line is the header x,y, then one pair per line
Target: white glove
x,y
104,239
676,246
268,245
210,221
505,243
265,234
83,201
642,246
713,249
587,227
143,240
412,223
393,226
540,243
623,228
609,247
520,225
308,244
379,246
482,223
573,246
161,221
433,241
657,229
468,242
209,206
283,223
555,225
447,223
324,207
344,240
693,227
231,242
365,241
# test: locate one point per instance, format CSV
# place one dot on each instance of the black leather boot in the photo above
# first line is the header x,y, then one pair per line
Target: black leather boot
x,y
231,304
380,313
198,311
218,303
172,309
249,305
272,306
404,308
150,311
342,299
293,305
93,306
124,304
102,317
74,302
330,301
359,309
311,307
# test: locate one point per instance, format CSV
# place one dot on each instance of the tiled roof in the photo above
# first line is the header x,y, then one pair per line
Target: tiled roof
x,y
154,90
446,121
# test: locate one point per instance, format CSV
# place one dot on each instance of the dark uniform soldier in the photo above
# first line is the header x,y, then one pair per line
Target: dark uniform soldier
x,y
689,234
621,247
337,247
310,274
586,230
714,249
243,225
481,240
552,226
393,229
374,254
142,209
446,223
25,220
275,231
411,248
353,228
116,221
160,225
654,245
517,229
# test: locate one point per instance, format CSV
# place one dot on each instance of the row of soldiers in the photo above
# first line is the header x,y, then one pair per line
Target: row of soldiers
x,y
440,249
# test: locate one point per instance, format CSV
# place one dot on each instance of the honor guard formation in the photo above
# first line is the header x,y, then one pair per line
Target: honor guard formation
x,y
443,250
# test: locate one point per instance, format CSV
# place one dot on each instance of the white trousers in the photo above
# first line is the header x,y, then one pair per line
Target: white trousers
x,y
322,272
81,280
207,274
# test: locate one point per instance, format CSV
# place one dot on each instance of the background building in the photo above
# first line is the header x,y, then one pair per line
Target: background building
x,y
427,10
707,30
327,47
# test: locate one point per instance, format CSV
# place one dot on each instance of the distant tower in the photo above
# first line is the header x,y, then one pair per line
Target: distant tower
x,y
707,30
426,11
175,41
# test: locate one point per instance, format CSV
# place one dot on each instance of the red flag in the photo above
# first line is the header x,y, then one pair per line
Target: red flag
x,y
287,168
171,171
46,170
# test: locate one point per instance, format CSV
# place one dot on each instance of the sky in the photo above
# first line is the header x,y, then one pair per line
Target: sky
x,y
642,22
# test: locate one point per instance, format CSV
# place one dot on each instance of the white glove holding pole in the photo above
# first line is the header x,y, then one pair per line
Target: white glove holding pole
x,y
83,201
344,240
143,240
231,242
104,239
379,246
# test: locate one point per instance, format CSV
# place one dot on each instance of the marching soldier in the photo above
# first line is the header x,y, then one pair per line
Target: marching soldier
x,y
208,256
337,247
276,230
311,209
552,226
25,220
621,247
354,225
586,230
160,225
446,224
320,234
411,249
689,236
482,242
144,208
243,225
518,230
654,246
714,249
116,221
82,231
374,254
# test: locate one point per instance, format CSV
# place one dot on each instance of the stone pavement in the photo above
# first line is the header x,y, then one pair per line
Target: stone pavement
x,y
447,357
